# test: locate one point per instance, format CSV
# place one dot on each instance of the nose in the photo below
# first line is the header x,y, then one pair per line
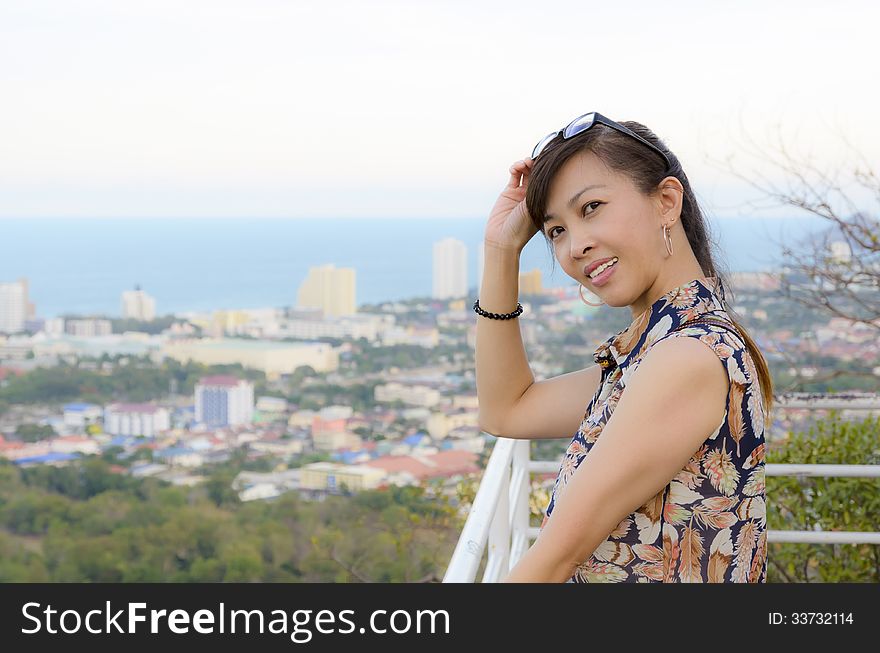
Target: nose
x,y
581,244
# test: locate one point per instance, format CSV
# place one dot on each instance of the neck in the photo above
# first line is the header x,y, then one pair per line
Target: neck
x,y
674,275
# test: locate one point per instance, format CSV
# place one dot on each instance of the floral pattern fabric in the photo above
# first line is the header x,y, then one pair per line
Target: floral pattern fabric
x,y
709,523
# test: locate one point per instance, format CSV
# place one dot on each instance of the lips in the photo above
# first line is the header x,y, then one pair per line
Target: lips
x,y
592,266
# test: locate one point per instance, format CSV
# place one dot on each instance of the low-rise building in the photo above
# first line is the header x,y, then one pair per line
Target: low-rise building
x,y
333,477
443,464
271,357
224,400
333,440
179,457
74,444
440,425
258,485
80,415
414,395
136,419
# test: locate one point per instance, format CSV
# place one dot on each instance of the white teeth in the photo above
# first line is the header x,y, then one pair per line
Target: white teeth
x,y
599,270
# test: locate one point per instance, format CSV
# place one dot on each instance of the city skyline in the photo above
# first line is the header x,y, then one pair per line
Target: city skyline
x,y
255,264
327,289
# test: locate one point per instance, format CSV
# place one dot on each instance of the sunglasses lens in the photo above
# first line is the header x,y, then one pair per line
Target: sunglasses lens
x,y
580,124
543,143
586,121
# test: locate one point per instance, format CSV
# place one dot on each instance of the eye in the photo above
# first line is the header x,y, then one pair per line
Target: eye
x,y
583,213
591,204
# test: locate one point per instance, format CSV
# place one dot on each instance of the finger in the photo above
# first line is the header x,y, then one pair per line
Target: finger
x,y
516,173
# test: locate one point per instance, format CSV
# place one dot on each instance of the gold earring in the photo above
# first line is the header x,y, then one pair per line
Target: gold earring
x,y
581,293
668,238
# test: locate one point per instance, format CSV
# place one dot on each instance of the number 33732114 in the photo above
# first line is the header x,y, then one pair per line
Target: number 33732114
x,y
819,618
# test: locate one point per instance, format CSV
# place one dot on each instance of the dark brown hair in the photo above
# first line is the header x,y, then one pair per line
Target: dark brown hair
x,y
646,169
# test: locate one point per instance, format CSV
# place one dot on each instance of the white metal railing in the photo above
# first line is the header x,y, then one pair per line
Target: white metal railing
x,y
500,512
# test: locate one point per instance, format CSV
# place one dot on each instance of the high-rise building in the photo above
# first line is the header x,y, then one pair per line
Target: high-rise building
x,y
450,269
30,309
224,401
138,305
15,309
530,282
330,289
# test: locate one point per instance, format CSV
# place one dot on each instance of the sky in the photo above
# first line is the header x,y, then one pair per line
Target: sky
x,y
272,108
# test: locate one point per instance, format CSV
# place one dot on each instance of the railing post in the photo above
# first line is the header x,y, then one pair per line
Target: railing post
x,y
498,560
520,491
483,517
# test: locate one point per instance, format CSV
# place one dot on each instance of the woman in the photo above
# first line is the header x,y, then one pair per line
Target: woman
x,y
673,490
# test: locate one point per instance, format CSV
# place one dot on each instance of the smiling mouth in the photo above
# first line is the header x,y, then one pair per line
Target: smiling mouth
x,y
603,268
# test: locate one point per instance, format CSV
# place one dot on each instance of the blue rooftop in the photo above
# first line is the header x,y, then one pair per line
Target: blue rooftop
x,y
173,451
414,439
347,457
47,458
79,407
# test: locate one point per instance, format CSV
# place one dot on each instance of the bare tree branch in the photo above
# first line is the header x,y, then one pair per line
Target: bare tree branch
x,y
837,271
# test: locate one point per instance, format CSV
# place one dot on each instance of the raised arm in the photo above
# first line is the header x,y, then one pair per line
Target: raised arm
x,y
511,403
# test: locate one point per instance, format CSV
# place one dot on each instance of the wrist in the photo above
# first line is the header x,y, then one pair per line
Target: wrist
x,y
511,252
509,315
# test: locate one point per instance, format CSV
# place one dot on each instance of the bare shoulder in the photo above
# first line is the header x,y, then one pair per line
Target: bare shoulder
x,y
685,359
678,390
683,369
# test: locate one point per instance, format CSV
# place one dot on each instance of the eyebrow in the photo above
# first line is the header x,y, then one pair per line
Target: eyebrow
x,y
574,199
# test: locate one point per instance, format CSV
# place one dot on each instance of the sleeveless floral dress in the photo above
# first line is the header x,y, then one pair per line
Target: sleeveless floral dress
x,y
709,523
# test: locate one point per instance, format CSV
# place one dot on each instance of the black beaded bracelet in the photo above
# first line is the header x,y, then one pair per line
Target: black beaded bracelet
x,y
498,316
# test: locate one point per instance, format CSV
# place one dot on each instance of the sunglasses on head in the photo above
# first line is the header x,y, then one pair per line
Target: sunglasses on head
x,y
583,123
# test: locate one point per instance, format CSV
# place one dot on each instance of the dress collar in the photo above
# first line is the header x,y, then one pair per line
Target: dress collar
x,y
682,303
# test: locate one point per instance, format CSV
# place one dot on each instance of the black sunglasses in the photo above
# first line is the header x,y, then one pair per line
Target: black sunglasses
x,y
583,123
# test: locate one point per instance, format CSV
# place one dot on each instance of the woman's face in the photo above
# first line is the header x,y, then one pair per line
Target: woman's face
x,y
612,219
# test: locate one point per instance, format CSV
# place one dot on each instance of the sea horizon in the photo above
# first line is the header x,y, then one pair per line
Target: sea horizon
x,y
82,266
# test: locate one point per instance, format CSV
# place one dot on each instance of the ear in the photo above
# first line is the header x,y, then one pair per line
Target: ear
x,y
670,196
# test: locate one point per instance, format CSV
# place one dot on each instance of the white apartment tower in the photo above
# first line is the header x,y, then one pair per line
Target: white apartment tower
x,y
138,305
450,269
13,306
224,401
329,288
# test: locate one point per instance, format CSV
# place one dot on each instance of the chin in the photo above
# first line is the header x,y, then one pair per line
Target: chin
x,y
610,294
610,299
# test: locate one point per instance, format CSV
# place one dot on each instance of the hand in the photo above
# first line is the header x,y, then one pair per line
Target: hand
x,y
509,225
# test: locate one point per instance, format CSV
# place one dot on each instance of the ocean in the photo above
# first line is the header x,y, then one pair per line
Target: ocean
x,y
81,266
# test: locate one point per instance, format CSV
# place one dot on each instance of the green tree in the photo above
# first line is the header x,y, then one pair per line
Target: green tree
x,y
83,523
219,489
827,504
34,432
